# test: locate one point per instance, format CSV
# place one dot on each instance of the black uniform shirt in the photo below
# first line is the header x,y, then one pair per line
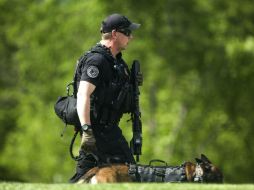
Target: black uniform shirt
x,y
96,69
99,67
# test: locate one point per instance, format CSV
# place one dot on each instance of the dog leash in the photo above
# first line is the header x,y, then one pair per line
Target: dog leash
x,y
76,158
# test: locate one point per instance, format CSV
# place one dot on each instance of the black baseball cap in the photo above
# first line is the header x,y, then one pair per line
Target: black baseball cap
x,y
116,22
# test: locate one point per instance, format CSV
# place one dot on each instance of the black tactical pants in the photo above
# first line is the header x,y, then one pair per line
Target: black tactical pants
x,y
112,145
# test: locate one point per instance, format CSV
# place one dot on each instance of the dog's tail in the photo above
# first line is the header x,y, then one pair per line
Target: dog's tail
x,y
88,176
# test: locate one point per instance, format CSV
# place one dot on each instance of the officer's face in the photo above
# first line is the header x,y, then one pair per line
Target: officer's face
x,y
123,39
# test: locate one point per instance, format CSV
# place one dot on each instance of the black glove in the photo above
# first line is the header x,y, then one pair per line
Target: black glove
x,y
88,142
139,78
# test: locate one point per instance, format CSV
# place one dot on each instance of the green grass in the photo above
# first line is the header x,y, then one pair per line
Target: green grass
x,y
143,186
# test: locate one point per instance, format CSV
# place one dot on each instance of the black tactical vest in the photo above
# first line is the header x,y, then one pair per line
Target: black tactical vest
x,y
113,97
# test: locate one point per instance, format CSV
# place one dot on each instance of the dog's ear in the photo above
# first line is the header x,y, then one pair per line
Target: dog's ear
x,y
205,159
199,161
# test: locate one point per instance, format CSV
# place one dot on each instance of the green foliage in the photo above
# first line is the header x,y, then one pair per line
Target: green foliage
x,y
197,60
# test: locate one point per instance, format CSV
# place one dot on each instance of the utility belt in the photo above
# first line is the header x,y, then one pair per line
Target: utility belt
x,y
150,173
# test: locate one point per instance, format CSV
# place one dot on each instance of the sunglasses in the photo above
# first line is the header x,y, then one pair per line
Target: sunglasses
x,y
126,32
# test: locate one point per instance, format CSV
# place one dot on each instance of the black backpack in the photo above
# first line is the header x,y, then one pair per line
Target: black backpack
x,y
66,107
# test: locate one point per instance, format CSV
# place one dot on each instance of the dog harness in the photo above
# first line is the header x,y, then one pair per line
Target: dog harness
x,y
150,173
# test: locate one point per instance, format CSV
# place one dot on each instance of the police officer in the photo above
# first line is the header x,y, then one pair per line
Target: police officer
x,y
103,97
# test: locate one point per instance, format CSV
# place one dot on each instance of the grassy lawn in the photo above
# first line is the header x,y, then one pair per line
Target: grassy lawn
x,y
143,186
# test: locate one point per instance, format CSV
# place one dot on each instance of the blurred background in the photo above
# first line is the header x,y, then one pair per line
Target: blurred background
x,y
197,58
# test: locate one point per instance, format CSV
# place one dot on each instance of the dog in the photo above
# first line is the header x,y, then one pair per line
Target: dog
x,y
202,171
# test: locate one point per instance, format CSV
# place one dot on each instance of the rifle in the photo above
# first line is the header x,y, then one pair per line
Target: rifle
x,y
136,141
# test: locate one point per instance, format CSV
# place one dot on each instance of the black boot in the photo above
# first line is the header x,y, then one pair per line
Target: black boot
x,y
86,162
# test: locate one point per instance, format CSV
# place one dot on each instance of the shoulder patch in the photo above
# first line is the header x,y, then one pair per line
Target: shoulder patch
x,y
92,71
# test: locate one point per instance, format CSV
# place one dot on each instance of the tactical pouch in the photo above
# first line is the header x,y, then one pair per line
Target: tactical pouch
x,y
128,102
66,108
